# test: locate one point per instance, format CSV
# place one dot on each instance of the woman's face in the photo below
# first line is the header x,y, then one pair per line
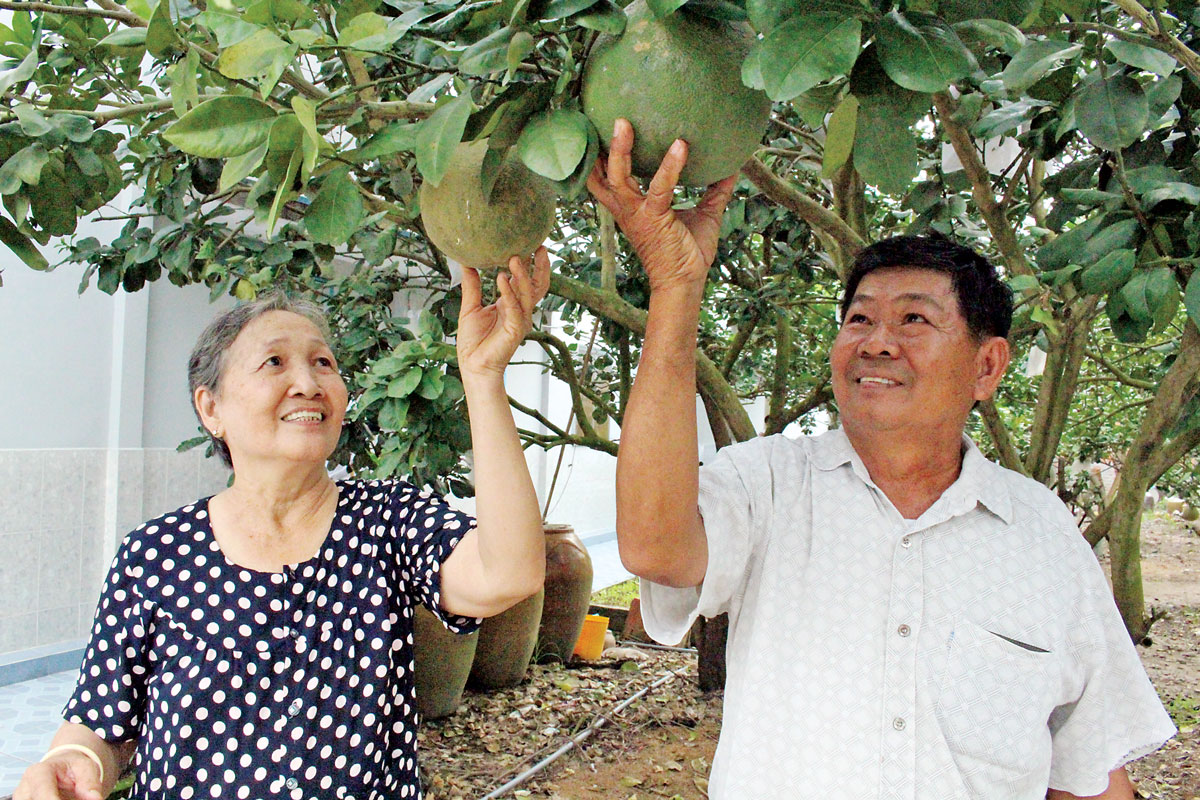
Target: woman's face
x,y
280,397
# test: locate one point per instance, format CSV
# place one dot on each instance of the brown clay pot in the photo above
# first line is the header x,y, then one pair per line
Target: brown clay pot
x,y
506,643
443,662
568,593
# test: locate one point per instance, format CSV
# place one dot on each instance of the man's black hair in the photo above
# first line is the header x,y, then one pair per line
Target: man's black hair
x,y
984,300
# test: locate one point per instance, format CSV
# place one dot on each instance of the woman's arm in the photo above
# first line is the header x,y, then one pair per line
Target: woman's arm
x,y
503,560
70,773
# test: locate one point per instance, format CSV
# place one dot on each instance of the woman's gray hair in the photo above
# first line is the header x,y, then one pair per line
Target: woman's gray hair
x,y
206,365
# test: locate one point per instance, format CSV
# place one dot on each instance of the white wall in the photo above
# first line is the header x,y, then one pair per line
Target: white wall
x,y
54,359
177,316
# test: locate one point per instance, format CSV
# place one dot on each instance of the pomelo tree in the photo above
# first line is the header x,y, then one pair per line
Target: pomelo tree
x,y
284,142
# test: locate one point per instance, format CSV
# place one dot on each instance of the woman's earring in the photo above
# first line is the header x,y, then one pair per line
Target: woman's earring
x,y
216,433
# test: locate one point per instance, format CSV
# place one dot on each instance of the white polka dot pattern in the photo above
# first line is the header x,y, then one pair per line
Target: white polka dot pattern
x,y
244,684
975,652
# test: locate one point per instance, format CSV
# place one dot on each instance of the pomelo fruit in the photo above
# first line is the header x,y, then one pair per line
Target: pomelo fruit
x,y
465,226
677,77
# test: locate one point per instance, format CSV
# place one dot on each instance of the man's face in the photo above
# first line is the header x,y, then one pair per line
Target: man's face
x,y
904,360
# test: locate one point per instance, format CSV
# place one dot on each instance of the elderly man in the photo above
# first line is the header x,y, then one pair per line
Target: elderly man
x,y
907,619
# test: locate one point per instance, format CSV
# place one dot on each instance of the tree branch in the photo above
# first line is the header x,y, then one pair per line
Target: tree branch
x,y
1183,54
1006,449
803,206
981,188
121,15
1121,377
610,306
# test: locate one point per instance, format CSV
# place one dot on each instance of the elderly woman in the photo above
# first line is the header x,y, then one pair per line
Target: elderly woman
x,y
258,643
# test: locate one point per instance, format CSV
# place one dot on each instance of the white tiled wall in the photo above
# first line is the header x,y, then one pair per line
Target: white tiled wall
x,y
55,533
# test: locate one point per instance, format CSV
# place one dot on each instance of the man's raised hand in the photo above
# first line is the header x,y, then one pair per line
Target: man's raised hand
x,y
675,247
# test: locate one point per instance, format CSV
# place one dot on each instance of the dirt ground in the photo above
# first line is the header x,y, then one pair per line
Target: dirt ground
x,y
662,745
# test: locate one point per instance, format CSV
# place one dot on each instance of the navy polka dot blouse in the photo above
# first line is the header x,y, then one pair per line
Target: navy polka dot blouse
x,y
246,684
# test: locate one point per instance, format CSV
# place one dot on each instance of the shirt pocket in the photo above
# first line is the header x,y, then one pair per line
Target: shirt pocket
x,y
995,699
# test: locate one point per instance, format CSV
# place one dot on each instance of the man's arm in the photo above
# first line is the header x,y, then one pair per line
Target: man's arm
x,y
659,529
1119,788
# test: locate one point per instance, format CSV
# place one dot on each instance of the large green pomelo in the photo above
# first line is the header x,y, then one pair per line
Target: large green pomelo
x,y
461,222
677,77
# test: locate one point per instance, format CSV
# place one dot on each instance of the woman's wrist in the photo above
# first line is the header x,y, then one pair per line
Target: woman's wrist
x,y
83,749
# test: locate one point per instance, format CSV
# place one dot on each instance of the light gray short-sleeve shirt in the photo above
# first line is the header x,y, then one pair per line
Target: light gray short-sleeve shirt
x,y
975,652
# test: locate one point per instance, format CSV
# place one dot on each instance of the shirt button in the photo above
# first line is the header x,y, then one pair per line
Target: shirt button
x,y
898,723
906,541
294,708
292,783
904,630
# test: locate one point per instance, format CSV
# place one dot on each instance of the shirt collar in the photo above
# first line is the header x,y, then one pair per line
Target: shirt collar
x,y
977,482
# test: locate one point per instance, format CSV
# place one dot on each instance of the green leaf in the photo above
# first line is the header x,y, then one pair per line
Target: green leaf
x,y
20,73
33,122
395,137
561,9
1010,11
573,187
1112,113
1109,273
181,77
992,32
1034,60
1162,94
1187,192
805,51
162,40
23,167
719,10
885,151
921,52
228,28
362,27
1145,292
222,127
521,45
439,134
1023,283
335,213
406,384
766,15
284,191
431,385
124,37
1007,118
553,143
1142,57
393,416
264,56
606,17
238,168
306,113
1191,298
839,135
22,246
488,55
243,290
662,8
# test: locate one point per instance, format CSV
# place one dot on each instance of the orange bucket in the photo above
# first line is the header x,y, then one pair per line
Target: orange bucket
x,y
591,639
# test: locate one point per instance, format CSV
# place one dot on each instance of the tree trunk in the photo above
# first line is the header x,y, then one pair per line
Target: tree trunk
x,y
1125,551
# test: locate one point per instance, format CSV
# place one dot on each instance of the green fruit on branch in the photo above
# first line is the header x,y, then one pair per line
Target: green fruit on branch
x,y
677,77
477,232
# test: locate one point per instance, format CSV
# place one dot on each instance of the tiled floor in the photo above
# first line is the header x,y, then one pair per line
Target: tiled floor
x,y
29,711
29,716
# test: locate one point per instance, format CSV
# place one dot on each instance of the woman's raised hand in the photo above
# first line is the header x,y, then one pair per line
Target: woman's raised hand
x,y
675,247
489,335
